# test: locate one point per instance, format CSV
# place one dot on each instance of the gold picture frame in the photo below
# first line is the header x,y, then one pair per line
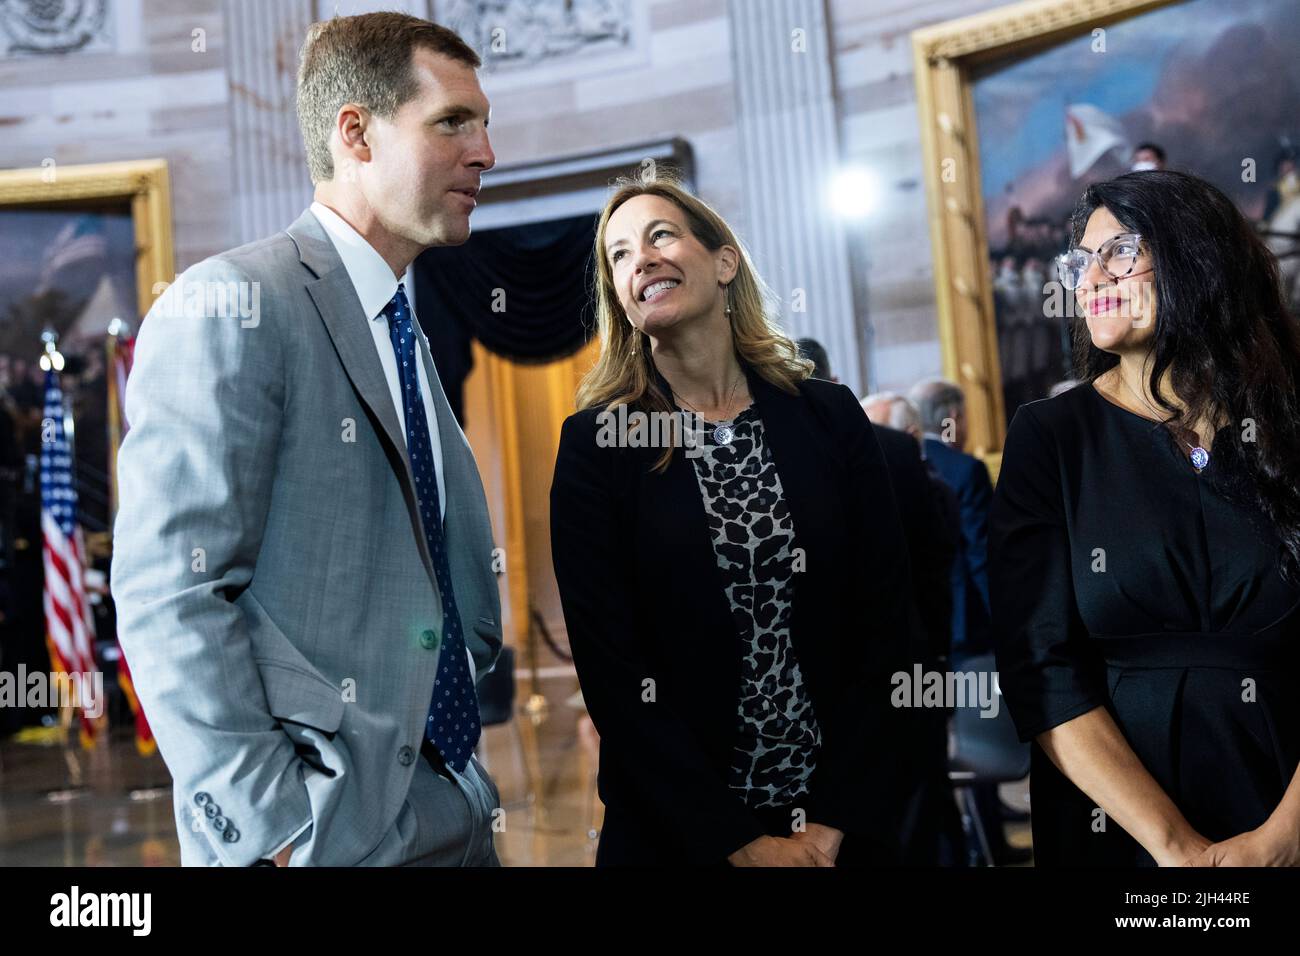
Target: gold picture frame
x,y
945,56
143,183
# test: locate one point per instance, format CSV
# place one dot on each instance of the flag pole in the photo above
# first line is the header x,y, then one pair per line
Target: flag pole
x,y
117,329
121,352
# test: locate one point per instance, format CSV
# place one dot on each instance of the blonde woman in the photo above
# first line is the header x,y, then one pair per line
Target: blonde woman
x,y
734,589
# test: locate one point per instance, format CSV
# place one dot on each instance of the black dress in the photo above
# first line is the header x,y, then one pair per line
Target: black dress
x,y
1121,577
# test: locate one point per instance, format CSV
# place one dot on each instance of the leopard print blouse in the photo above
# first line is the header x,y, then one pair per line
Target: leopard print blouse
x,y
753,539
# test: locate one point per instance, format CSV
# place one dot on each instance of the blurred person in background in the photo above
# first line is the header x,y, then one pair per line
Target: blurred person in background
x,y
941,405
1147,156
932,525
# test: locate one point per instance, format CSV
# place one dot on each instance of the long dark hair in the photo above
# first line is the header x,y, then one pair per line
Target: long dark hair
x,y
1222,330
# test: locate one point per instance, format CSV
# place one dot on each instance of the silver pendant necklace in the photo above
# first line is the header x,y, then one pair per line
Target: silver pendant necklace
x,y
1200,457
723,433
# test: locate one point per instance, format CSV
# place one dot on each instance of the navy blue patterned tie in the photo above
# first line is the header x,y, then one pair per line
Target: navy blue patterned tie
x,y
453,725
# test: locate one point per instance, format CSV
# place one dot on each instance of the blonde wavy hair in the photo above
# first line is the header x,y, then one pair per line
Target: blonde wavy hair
x,y
624,373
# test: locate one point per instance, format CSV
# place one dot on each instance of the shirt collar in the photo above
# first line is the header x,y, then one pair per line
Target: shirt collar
x,y
374,282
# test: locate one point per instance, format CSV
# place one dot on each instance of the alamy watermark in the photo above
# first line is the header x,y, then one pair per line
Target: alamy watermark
x,y
206,299
947,689
75,689
620,428
75,908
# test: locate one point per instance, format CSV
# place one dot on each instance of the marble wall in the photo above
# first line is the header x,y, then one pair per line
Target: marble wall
x,y
155,89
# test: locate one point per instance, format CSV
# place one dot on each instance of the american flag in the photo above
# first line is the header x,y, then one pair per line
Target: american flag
x,y
68,619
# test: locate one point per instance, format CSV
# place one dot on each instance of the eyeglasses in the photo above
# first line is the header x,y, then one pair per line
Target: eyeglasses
x,y
1117,257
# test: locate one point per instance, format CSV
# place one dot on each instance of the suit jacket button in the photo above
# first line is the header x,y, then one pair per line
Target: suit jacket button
x,y
219,824
231,835
202,798
429,640
406,756
212,811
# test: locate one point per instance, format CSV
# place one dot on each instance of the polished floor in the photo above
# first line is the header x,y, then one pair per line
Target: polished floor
x,y
111,807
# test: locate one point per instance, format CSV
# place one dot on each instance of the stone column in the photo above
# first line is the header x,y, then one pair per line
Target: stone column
x,y
790,152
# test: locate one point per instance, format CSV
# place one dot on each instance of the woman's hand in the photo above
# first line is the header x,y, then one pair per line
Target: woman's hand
x,y
779,851
1269,845
827,839
1181,851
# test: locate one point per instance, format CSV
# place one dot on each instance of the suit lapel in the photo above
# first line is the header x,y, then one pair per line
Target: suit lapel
x,y
675,498
459,472
340,310
672,500
450,435
467,524
788,430
793,438
788,433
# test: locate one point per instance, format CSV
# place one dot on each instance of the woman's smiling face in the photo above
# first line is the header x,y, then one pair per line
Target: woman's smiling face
x,y
662,274
1120,312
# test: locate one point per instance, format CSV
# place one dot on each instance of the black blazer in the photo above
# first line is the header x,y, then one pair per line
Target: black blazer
x,y
933,541
644,602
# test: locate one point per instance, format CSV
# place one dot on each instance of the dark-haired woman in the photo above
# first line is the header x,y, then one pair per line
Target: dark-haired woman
x,y
1144,537
735,608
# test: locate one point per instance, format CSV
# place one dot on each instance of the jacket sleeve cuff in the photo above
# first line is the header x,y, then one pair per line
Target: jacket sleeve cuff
x,y
293,839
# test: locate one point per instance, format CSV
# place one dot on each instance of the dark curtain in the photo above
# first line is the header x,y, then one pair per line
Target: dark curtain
x,y
523,291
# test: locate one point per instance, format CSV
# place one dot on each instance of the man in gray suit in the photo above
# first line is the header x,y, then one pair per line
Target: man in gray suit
x,y
303,558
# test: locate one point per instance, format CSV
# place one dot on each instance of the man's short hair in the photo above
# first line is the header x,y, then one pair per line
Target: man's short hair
x,y
900,413
365,60
1153,148
815,352
937,400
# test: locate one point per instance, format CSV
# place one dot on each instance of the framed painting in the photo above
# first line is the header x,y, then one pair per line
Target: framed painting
x,y
1023,106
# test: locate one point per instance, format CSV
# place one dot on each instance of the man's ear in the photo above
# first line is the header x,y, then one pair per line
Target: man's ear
x,y
728,261
351,125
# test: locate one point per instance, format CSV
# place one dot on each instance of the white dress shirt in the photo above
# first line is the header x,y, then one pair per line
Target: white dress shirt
x,y
376,285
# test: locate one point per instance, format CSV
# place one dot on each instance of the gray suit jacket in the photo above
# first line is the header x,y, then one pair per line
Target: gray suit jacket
x,y
275,596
